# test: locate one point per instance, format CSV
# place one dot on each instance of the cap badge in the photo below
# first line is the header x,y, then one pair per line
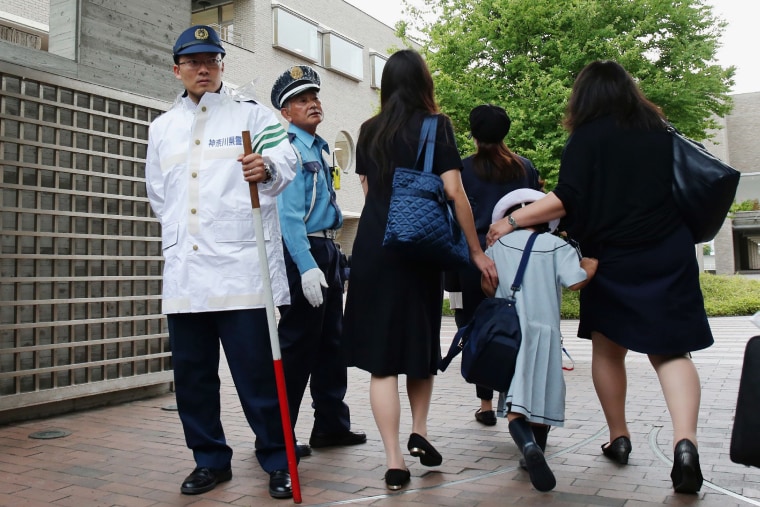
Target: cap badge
x,y
296,73
201,34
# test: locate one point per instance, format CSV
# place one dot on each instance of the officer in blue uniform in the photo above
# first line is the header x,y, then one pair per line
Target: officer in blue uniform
x,y
310,327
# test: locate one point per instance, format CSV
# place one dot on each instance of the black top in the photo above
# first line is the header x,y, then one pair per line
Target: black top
x,y
615,184
484,195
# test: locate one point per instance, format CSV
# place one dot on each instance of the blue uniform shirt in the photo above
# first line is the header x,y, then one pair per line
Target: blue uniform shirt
x,y
294,202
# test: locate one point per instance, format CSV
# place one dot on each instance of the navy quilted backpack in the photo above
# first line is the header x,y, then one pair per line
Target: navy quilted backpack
x,y
490,342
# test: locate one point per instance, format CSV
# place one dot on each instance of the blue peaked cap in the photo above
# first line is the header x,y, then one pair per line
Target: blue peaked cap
x,y
198,39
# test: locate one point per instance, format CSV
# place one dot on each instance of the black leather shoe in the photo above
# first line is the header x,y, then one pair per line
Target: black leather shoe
x,y
279,484
395,478
318,440
618,450
486,417
419,447
303,449
541,435
204,479
686,474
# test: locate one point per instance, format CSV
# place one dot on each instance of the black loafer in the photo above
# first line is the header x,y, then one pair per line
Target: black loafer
x,y
419,447
318,440
303,449
204,479
618,450
395,478
279,484
686,474
541,475
486,417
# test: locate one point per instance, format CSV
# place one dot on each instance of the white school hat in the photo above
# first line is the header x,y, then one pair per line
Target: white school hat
x,y
519,196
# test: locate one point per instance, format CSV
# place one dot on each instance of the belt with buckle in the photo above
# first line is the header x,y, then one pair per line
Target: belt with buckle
x,y
325,233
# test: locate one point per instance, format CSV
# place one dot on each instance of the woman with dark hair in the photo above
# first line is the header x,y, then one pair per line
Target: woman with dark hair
x,y
392,318
614,191
488,175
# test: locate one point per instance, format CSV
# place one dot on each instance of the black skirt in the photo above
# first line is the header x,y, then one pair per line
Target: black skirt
x,y
647,298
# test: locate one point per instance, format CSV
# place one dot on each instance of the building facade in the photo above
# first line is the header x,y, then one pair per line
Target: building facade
x,y
737,246
80,258
80,81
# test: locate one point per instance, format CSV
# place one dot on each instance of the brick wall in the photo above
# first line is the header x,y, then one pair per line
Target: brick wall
x,y
742,126
34,10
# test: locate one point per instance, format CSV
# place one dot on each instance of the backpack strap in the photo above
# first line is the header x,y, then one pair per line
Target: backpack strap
x,y
457,344
523,263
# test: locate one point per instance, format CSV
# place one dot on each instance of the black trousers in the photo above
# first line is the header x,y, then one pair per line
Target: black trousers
x,y
310,343
244,335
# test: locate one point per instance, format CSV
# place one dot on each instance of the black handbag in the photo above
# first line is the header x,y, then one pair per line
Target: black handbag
x,y
745,446
421,224
490,342
704,187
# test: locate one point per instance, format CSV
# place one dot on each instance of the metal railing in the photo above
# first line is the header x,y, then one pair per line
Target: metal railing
x,y
80,255
227,34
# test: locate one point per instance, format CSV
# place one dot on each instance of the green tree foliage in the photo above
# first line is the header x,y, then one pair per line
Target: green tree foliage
x,y
525,54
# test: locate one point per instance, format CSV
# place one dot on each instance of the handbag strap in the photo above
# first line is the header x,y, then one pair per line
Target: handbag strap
x,y
427,141
523,263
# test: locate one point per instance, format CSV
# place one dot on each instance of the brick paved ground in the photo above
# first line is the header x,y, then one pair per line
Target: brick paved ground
x,y
134,454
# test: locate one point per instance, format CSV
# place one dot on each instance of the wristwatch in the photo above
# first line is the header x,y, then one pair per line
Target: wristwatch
x,y
512,222
268,172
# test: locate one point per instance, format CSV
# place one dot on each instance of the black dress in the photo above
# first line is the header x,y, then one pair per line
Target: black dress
x,y
392,320
615,184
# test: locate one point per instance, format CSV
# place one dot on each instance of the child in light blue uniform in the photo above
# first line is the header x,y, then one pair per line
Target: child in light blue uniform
x,y
536,397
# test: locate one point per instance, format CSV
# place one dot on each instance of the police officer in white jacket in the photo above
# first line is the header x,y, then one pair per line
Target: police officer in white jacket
x,y
198,184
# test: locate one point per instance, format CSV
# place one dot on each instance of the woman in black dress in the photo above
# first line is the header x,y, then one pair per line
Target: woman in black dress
x,y
392,318
615,191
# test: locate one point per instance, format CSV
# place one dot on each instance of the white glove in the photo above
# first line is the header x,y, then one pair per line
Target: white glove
x,y
312,282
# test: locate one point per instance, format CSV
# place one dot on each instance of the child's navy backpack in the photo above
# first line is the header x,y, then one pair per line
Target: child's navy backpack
x,y
490,342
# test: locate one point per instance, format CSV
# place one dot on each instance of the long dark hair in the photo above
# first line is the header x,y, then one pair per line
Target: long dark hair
x,y
605,88
496,163
405,88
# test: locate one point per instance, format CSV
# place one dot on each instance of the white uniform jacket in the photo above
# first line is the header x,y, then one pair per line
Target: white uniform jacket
x,y
196,189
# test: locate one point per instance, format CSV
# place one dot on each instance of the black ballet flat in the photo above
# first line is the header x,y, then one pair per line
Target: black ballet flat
x,y
421,448
395,478
686,474
618,450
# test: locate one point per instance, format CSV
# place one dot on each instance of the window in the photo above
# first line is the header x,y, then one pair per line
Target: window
x,y
376,66
343,151
221,18
343,56
295,34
